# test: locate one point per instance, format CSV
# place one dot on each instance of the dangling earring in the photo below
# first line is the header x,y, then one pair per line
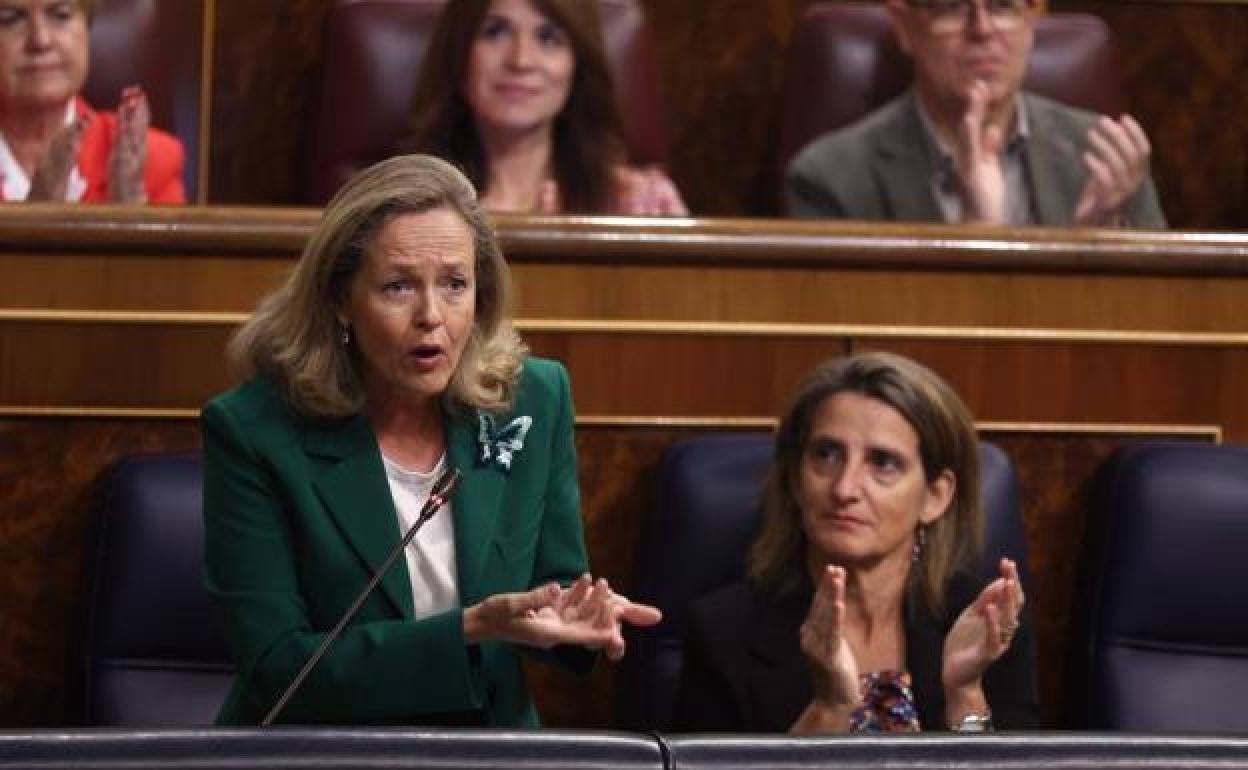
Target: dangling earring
x,y
346,336
920,540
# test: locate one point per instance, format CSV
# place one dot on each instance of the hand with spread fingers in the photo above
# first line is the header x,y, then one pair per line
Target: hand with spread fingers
x,y
977,161
128,160
50,182
983,632
833,668
1117,165
587,613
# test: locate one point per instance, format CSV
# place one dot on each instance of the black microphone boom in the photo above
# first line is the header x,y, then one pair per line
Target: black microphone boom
x,y
441,492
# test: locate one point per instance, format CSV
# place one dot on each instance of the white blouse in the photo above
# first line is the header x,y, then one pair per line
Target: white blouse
x,y
431,554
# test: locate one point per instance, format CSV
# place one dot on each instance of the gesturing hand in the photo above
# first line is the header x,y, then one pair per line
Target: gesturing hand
x,y
1117,164
984,631
587,613
977,161
832,664
50,181
129,156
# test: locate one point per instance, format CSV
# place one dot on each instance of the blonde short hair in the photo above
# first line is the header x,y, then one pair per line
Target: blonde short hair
x,y
294,336
947,441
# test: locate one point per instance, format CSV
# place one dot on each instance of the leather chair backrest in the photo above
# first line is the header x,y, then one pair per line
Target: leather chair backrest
x,y
695,540
843,62
155,653
1167,626
371,64
157,44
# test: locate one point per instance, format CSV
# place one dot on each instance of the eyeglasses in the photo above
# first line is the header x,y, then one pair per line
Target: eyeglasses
x,y
952,16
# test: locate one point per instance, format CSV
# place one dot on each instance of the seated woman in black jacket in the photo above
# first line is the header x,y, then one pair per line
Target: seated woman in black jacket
x,y
861,610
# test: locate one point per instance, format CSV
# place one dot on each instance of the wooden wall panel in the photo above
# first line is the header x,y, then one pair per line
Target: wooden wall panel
x,y
721,65
1183,64
47,468
265,61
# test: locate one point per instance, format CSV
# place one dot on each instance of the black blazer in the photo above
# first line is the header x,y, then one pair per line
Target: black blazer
x,y
744,670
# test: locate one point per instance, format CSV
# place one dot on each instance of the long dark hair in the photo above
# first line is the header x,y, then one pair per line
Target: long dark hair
x,y
587,135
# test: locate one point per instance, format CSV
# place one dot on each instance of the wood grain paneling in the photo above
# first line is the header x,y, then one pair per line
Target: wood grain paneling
x,y
47,468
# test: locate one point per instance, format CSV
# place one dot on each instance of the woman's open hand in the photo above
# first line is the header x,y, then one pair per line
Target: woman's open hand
x,y
50,182
129,157
832,664
983,632
587,613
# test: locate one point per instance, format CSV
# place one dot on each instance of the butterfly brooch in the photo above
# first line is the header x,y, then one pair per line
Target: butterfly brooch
x,y
499,445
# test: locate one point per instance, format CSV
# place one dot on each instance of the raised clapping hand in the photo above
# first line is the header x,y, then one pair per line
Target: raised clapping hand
x,y
647,192
587,613
129,156
1117,164
977,161
833,668
50,182
981,635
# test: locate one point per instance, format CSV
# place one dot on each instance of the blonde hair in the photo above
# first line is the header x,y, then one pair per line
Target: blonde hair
x,y
294,336
947,441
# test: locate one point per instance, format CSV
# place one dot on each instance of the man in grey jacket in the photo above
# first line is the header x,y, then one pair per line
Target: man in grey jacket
x,y
967,144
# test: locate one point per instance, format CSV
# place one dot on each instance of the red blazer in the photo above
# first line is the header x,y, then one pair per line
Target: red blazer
x,y
165,156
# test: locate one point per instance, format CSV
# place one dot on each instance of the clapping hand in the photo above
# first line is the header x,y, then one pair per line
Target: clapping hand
x,y
983,632
129,157
647,192
587,613
1117,164
977,161
50,182
832,663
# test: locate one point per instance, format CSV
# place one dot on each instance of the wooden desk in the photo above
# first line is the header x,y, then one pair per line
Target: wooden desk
x,y
1064,344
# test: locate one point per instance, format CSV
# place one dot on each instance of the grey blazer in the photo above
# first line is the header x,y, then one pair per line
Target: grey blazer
x,y
880,168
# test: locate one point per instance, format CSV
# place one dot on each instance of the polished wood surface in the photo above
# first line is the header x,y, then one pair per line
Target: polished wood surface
x,y
721,65
1064,343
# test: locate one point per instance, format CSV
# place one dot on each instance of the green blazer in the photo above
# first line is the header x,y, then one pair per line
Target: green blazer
x,y
880,169
297,514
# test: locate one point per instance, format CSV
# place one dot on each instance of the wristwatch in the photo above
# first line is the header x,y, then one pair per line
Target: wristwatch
x,y
974,723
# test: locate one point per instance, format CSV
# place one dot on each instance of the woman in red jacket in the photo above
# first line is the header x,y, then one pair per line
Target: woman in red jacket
x,y
53,145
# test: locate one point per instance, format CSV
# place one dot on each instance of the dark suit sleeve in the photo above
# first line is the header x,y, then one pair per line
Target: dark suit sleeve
x,y
705,701
807,196
379,671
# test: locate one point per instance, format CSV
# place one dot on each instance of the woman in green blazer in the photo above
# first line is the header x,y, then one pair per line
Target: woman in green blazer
x,y
386,359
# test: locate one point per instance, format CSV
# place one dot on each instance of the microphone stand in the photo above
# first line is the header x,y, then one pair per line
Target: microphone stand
x,y
441,492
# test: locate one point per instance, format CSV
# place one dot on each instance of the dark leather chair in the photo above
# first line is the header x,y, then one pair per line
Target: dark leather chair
x,y
843,62
696,536
371,63
157,45
155,654
1166,646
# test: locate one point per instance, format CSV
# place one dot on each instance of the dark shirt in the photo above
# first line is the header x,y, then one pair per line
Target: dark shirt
x,y
744,670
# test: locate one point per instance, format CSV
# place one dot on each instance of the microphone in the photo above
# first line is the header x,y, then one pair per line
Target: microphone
x,y
441,492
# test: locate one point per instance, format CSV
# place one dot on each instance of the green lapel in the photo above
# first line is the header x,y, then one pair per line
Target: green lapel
x,y
356,491
904,167
476,504
1054,166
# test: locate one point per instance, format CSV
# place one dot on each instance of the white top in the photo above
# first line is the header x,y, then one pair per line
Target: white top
x,y
15,183
431,554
